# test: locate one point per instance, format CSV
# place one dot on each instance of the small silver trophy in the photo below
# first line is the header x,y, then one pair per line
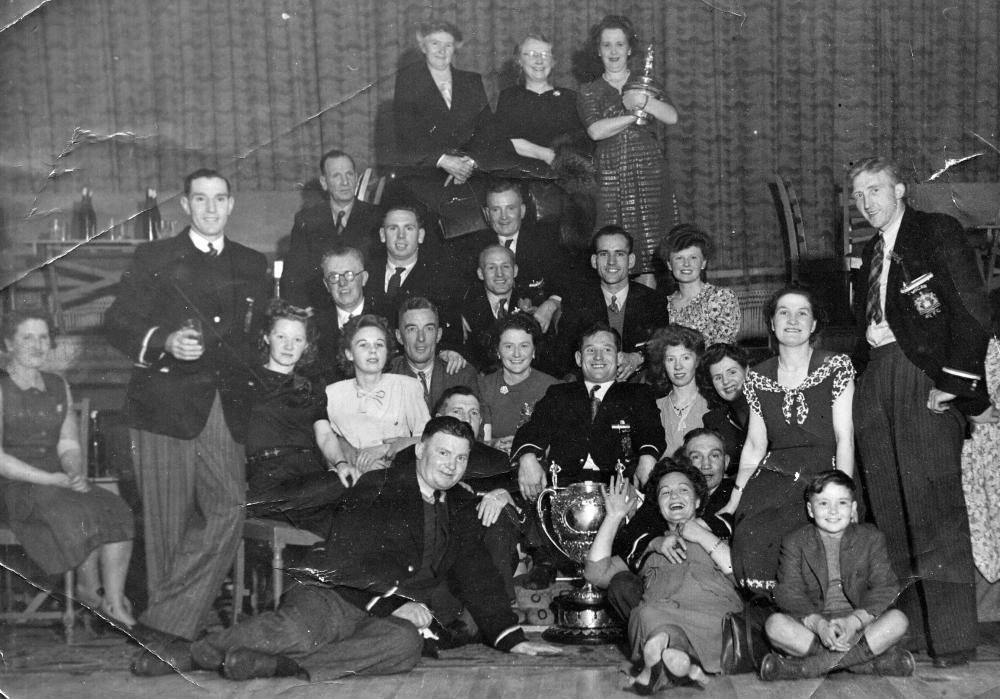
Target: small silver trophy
x,y
644,82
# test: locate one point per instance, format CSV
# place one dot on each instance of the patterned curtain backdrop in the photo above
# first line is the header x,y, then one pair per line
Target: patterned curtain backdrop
x,y
122,94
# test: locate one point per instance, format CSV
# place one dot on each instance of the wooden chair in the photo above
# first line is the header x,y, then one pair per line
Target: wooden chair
x,y
370,187
787,204
32,612
276,535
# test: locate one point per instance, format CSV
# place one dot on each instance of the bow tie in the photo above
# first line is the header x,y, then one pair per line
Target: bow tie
x,y
366,397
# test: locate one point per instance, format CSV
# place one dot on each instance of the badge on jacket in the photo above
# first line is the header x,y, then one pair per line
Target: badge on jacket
x,y
924,300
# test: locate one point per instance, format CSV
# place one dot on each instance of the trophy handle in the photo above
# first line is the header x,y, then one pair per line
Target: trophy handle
x,y
541,519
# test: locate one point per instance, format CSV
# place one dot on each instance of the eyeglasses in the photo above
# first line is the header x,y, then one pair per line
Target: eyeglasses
x,y
346,277
546,55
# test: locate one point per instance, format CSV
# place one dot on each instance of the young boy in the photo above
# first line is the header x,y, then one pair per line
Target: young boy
x,y
835,584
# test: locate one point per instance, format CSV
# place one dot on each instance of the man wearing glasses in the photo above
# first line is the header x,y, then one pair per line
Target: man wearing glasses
x,y
344,277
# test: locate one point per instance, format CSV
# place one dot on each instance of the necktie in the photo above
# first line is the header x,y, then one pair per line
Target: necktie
x,y
595,402
422,375
873,306
613,306
441,524
340,222
507,243
212,252
501,309
445,89
394,282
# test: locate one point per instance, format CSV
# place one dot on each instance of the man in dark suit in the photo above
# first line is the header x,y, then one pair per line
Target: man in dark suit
x,y
343,221
419,332
344,276
439,108
925,320
400,271
633,309
487,302
544,266
588,426
188,313
403,540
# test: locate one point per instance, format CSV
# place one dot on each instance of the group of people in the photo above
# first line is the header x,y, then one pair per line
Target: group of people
x,y
408,398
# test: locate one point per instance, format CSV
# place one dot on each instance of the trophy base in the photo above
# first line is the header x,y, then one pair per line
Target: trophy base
x,y
583,619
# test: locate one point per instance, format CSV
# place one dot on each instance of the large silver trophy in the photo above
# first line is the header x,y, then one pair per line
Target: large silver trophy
x,y
574,515
644,82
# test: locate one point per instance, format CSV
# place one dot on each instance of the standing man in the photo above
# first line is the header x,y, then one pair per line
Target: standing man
x,y
632,309
342,221
187,314
419,332
925,319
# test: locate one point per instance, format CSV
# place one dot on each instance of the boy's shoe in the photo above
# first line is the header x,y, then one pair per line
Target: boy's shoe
x,y
895,662
775,666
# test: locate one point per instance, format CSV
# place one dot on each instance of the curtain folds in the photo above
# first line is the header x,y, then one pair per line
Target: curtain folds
x,y
147,91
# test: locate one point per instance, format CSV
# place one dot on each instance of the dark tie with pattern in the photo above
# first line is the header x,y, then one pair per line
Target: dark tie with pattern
x,y
501,309
873,306
395,281
340,222
613,306
595,402
422,375
507,243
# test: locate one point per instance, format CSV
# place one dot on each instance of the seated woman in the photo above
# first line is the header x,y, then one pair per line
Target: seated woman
x,y
800,424
726,368
292,452
59,519
538,119
375,414
711,309
673,355
676,632
509,394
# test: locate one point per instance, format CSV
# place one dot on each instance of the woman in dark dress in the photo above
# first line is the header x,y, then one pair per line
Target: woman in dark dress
x,y
725,367
800,424
294,461
58,517
539,120
631,173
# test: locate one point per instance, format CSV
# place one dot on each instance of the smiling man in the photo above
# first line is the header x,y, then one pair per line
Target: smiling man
x,y
488,302
925,318
343,220
188,314
632,309
372,589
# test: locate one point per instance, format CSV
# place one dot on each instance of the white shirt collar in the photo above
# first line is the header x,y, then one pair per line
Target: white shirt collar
x,y
494,300
602,391
344,316
620,296
201,242
390,269
502,241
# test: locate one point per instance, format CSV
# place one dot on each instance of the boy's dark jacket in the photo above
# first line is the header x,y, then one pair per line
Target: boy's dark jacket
x,y
868,579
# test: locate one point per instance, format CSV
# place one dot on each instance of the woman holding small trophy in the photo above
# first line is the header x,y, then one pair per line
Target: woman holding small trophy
x,y
620,112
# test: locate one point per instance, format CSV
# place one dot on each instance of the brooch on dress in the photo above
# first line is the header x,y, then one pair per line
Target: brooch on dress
x,y
504,390
924,300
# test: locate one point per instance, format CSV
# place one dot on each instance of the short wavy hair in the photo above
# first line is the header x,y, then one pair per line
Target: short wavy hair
x,y
13,319
684,236
431,26
517,321
819,312
613,22
279,309
351,328
671,336
678,463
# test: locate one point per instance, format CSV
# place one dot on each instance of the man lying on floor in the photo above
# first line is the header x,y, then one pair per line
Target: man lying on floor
x,y
403,559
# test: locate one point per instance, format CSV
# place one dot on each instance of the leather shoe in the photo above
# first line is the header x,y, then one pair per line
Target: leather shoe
x,y
895,662
946,660
248,664
206,657
163,659
775,666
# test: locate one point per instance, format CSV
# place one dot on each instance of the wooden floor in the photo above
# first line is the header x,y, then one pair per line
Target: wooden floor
x,y
37,664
